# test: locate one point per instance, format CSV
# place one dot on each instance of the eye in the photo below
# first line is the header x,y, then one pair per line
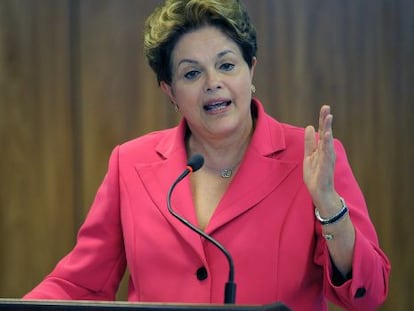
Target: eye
x,y
227,66
191,74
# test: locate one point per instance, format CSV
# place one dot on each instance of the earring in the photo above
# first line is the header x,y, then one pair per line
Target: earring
x,y
176,108
253,88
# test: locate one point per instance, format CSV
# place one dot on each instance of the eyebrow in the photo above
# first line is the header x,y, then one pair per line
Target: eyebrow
x,y
192,61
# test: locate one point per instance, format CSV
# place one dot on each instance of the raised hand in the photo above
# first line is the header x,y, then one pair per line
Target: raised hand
x,y
318,175
319,162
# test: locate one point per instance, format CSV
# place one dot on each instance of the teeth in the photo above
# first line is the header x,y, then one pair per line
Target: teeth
x,y
216,106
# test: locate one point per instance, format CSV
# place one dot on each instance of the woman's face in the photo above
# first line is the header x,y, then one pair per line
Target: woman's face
x,y
211,84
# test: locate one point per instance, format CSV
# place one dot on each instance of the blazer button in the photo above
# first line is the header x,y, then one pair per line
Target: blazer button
x,y
201,274
360,292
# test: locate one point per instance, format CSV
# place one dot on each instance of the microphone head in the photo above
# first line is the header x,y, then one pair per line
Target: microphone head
x,y
196,162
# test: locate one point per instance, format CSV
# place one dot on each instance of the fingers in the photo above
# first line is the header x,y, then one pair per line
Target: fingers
x,y
326,142
310,140
325,123
324,132
324,112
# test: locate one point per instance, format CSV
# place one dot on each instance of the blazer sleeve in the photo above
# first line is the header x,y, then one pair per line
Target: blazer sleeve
x,y
95,266
367,287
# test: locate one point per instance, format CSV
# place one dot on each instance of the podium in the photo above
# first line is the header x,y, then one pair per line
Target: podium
x,y
72,305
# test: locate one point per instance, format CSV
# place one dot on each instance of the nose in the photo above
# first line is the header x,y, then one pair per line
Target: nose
x,y
213,82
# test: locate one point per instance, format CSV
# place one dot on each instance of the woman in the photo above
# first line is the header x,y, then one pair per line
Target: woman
x,y
282,200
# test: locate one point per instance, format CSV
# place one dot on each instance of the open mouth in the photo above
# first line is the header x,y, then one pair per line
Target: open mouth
x,y
217,106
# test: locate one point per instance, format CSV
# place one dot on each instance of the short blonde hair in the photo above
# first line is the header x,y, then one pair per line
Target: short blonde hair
x,y
174,18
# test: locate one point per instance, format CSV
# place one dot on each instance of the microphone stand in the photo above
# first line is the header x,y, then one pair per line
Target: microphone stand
x,y
230,286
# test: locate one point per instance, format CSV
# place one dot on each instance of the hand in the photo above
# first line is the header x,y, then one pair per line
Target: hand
x,y
319,163
318,174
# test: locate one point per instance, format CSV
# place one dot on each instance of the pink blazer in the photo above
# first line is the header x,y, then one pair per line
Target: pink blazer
x,y
265,220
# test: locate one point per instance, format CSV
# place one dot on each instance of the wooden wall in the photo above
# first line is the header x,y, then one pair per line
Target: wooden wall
x,y
74,83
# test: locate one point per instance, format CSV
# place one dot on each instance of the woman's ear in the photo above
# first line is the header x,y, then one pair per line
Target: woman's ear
x,y
166,88
254,62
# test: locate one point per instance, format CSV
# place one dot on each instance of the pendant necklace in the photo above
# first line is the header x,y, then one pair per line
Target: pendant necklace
x,y
226,172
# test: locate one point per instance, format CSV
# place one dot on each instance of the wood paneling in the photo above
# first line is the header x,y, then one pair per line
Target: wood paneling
x,y
74,83
120,98
36,184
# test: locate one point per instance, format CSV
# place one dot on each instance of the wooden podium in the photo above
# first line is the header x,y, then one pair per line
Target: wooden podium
x,y
59,305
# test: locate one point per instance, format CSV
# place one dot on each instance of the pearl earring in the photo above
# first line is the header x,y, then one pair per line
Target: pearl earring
x,y
253,88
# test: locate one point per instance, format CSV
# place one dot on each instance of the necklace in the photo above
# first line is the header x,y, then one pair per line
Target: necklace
x,y
226,172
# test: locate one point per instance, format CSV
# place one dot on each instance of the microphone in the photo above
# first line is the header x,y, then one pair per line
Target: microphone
x,y
194,164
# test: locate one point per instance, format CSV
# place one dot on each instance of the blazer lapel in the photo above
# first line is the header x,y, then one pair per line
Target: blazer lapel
x,y
157,178
263,170
249,187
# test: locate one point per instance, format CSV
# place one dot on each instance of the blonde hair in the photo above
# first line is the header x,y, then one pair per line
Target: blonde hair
x,y
174,18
